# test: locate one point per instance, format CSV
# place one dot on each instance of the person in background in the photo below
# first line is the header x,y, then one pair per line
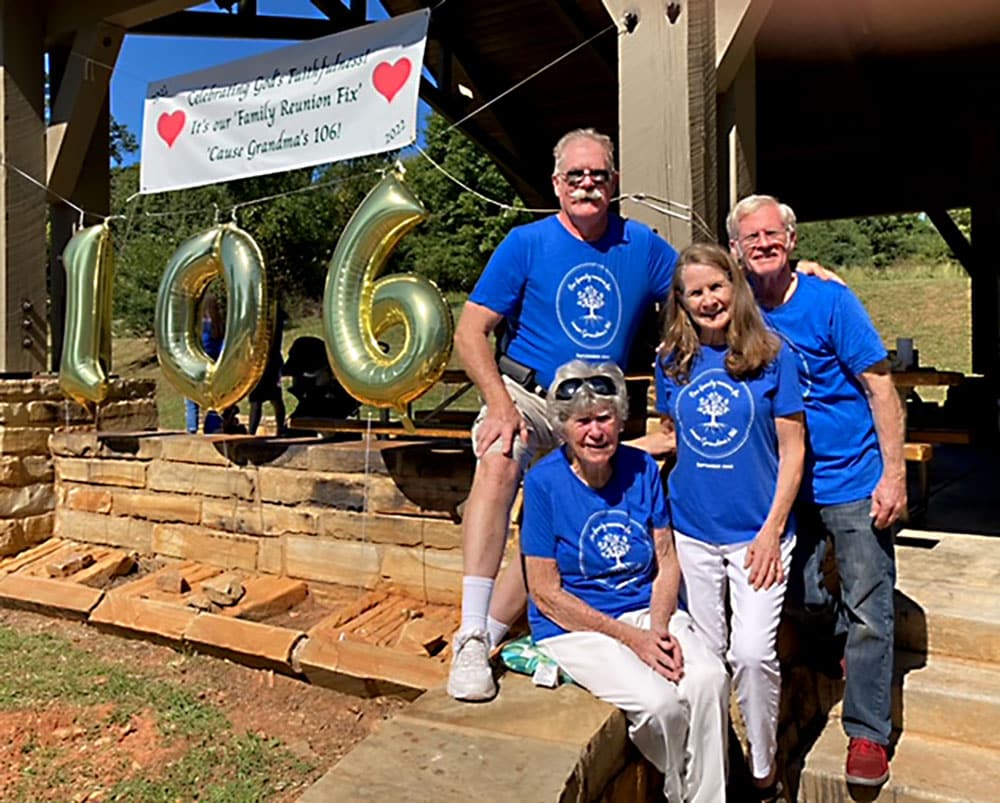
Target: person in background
x,y
854,489
213,332
268,388
728,393
603,579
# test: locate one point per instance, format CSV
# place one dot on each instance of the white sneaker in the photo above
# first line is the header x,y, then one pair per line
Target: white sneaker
x,y
471,677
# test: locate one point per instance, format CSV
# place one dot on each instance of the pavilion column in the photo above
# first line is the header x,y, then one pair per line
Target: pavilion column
x,y
737,140
667,116
23,315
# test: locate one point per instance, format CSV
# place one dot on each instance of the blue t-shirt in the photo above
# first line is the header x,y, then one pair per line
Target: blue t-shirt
x,y
723,485
833,340
601,538
564,298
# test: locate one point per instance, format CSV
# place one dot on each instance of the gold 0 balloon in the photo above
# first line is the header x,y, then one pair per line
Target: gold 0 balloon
x,y
86,355
231,253
357,308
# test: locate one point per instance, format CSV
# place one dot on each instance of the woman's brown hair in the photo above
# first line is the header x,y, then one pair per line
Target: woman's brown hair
x,y
751,345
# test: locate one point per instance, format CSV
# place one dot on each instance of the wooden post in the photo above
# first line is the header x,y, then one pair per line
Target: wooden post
x,y
667,115
23,317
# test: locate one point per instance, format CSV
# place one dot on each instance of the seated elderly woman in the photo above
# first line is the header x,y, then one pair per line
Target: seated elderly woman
x,y
603,579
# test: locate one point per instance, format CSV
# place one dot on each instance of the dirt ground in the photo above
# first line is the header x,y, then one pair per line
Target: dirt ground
x,y
92,749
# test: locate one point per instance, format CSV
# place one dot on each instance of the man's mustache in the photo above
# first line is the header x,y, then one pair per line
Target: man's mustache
x,y
589,195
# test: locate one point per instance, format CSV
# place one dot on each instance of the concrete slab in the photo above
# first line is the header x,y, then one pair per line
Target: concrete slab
x,y
923,771
412,761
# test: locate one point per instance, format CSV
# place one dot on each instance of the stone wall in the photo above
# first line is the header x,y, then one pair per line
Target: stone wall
x,y
30,411
314,510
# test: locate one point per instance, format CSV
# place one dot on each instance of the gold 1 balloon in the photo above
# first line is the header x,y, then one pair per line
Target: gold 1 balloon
x,y
358,307
230,253
86,356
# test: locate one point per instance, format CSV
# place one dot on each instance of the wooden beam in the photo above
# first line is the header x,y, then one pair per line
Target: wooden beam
x,y
238,26
667,113
737,24
23,326
67,16
79,95
952,235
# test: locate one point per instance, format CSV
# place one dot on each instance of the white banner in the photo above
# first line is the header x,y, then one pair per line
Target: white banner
x,y
345,95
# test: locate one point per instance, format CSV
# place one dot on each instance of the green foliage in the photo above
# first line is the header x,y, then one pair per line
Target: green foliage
x,y
876,241
453,246
123,142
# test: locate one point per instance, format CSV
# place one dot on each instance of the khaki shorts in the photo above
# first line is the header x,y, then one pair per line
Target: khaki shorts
x,y
541,438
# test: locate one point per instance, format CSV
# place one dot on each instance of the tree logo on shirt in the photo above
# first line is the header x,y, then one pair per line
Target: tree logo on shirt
x,y
614,550
714,414
588,305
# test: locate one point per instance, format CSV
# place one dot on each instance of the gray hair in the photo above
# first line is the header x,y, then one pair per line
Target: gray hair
x,y
585,400
749,205
591,134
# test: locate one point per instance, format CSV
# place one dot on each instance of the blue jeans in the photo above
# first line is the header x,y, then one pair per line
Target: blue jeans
x,y
865,611
213,422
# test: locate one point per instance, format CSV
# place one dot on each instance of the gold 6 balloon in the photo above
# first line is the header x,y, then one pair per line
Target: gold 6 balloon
x,y
358,307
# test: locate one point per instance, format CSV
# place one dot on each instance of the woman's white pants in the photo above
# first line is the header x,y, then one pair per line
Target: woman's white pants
x,y
707,570
680,727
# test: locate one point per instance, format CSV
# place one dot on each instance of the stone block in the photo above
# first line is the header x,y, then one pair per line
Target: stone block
x,y
130,445
205,480
278,519
157,506
11,537
127,473
131,415
346,458
252,639
419,572
25,469
195,449
385,529
271,556
37,528
97,528
15,390
74,444
13,414
123,388
24,440
46,593
144,615
231,515
28,500
86,497
343,491
206,546
57,413
350,563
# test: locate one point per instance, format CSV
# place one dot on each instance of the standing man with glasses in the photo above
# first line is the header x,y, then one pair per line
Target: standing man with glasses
x,y
575,284
854,487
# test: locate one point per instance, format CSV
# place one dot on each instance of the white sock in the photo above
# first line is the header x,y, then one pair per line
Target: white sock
x,y
476,593
496,630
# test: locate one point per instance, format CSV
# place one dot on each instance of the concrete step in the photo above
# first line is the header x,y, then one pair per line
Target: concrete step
x,y
948,595
924,770
945,698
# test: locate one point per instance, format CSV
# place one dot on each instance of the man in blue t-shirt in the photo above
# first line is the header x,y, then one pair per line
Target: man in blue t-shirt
x,y
854,487
575,284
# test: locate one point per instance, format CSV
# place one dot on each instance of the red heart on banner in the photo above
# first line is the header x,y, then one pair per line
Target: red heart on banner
x,y
389,78
169,126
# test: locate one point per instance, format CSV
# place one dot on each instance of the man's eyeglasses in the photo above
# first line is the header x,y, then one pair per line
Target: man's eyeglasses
x,y
765,235
600,384
575,177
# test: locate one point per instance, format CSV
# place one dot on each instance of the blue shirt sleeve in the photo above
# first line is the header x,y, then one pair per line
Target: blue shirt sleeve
x,y
664,388
856,341
660,509
538,538
501,285
788,392
664,259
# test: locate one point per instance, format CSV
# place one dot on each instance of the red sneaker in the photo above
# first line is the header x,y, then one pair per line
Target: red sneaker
x,y
867,763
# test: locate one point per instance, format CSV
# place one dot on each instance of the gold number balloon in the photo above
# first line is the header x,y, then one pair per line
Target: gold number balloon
x,y
231,253
86,355
357,308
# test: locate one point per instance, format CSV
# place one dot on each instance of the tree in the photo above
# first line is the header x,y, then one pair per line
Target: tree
x,y
453,246
123,142
713,405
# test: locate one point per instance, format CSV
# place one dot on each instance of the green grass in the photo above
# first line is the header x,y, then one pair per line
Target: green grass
x,y
38,670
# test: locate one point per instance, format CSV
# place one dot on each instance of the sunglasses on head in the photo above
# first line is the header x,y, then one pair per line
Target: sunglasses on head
x,y
575,177
599,384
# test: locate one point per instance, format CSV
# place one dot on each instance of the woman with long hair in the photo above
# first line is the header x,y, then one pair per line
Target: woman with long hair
x,y
728,391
